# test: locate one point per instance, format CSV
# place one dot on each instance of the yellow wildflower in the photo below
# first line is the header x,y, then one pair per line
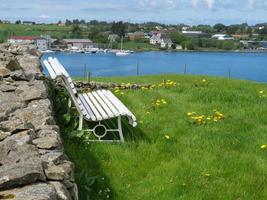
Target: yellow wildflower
x,y
261,92
263,146
122,93
204,80
167,137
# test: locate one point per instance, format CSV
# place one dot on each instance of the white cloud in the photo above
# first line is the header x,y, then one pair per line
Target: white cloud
x,y
158,4
210,3
44,16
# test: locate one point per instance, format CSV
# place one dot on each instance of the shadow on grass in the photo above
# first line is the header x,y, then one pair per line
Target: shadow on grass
x,y
91,180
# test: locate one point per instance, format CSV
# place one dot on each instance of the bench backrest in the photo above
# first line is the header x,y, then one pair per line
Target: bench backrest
x,y
56,70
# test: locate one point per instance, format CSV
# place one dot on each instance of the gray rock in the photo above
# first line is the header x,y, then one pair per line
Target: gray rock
x,y
62,192
54,172
37,112
19,164
19,174
31,64
33,91
13,65
52,156
60,172
7,87
15,125
4,135
4,72
50,142
39,191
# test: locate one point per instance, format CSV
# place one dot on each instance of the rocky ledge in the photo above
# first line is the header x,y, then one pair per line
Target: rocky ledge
x,y
33,165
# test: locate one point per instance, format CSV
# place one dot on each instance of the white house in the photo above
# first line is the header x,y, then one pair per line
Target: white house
x,y
222,37
22,39
42,43
166,42
154,40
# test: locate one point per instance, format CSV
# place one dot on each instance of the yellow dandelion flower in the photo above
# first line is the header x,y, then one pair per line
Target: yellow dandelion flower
x,y
264,146
167,137
157,104
122,93
261,92
204,80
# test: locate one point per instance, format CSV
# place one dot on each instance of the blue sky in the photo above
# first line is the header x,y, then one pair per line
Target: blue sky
x,y
165,11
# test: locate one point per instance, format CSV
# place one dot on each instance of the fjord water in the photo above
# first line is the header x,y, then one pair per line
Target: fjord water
x,y
250,66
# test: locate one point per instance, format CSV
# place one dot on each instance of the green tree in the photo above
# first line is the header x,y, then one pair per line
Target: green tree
x,y
76,31
220,27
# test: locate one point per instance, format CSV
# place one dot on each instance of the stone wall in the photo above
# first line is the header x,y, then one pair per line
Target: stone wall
x,y
33,165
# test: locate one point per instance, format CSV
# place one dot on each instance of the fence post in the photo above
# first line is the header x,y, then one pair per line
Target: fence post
x,y
185,69
229,72
137,69
84,72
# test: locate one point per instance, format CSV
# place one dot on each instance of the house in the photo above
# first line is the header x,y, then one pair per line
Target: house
x,y
42,43
22,39
241,36
196,34
6,22
28,23
78,43
222,37
166,42
163,40
136,35
154,40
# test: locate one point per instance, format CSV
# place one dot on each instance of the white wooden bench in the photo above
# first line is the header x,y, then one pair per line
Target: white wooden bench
x,y
95,106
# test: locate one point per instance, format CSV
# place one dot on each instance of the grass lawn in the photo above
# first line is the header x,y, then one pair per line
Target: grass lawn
x,y
32,30
137,46
168,156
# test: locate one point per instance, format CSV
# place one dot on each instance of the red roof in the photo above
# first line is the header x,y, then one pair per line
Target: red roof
x,y
23,37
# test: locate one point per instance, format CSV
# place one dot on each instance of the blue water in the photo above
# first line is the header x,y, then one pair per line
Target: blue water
x,y
250,66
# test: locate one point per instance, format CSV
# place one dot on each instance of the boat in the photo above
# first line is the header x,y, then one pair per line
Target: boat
x,y
122,52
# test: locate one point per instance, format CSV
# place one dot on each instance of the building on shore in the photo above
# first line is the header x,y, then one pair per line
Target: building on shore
x,y
195,34
22,39
28,23
162,39
78,43
222,37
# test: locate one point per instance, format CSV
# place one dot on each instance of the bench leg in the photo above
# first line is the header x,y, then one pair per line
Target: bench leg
x,y
120,129
80,123
69,105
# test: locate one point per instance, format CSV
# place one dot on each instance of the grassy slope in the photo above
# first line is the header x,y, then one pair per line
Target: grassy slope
x,y
32,30
214,161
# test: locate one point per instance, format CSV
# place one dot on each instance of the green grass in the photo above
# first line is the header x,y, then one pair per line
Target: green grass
x,y
220,160
138,46
7,30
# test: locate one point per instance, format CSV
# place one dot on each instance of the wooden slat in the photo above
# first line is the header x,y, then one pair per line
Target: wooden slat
x,y
89,111
82,108
103,105
97,106
62,68
108,103
50,69
54,66
123,108
113,100
91,105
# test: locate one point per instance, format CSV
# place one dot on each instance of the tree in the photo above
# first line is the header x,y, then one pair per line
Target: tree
x,y
68,22
118,28
177,38
18,22
220,27
76,31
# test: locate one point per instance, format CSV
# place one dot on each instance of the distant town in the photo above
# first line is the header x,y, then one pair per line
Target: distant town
x,y
94,36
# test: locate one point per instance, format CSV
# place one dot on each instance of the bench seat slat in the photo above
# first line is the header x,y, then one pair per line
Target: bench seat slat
x,y
93,108
108,103
89,113
97,106
103,104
